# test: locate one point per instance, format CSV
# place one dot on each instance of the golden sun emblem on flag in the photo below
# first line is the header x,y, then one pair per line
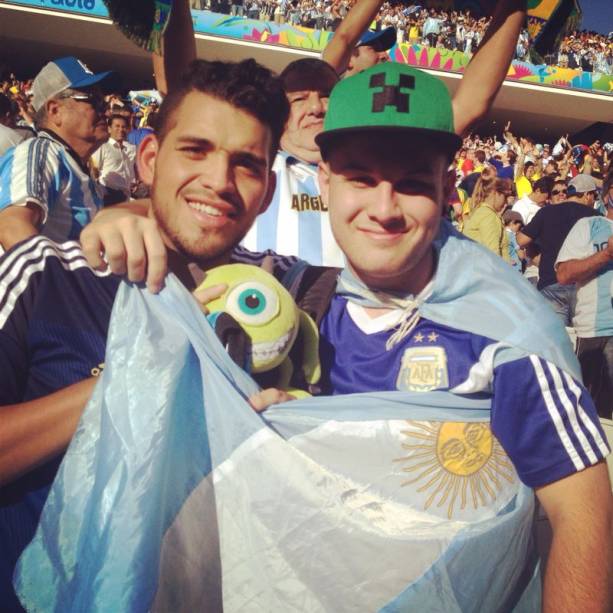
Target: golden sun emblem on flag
x,y
458,463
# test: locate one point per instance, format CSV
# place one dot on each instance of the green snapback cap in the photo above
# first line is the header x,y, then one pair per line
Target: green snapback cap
x,y
394,97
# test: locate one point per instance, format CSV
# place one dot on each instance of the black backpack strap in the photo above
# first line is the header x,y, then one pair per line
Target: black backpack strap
x,y
314,289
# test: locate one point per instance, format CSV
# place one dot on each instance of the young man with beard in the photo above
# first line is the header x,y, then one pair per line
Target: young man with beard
x,y
210,167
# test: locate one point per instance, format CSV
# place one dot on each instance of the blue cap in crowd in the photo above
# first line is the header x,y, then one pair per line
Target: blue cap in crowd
x,y
380,41
58,75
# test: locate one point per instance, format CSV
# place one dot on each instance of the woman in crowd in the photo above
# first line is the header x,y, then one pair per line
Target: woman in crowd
x,y
484,223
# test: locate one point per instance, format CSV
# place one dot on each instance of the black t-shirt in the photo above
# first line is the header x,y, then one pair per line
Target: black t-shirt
x,y
549,228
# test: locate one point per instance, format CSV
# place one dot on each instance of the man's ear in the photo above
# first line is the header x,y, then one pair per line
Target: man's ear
x,y
323,176
146,157
270,192
54,113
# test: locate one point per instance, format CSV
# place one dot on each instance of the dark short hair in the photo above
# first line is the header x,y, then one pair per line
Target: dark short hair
x,y
246,85
543,185
118,116
309,73
480,155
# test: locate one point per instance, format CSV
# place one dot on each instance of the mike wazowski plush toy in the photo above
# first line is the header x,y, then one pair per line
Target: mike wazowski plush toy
x,y
264,332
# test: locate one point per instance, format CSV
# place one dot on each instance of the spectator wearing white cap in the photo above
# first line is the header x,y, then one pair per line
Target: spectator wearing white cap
x,y
586,259
45,184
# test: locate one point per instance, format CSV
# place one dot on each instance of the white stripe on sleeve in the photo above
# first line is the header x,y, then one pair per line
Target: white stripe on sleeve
x,y
570,409
587,422
555,415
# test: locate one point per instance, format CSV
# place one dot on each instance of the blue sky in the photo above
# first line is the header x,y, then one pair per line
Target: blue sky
x,y
597,15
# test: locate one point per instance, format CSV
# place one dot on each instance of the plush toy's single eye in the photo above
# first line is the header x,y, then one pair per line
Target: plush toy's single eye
x,y
252,303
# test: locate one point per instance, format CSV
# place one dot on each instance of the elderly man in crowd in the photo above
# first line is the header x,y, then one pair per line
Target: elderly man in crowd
x,y
45,184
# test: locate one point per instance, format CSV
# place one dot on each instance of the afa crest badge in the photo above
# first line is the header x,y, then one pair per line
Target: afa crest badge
x,y
423,369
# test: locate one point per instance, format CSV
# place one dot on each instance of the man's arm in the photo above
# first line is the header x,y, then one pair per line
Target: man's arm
x,y
179,44
523,240
580,509
159,73
338,51
18,223
489,66
34,432
582,270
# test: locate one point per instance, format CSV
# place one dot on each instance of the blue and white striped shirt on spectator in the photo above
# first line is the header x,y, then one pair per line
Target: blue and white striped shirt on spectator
x,y
296,222
46,172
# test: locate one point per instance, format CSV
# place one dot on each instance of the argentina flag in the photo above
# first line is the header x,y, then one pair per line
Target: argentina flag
x,y
175,496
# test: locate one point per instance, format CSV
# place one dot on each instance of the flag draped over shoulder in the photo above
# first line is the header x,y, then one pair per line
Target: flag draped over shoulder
x,y
175,496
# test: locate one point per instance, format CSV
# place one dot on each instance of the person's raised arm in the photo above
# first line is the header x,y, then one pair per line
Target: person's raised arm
x,y
489,66
159,73
578,574
179,44
338,51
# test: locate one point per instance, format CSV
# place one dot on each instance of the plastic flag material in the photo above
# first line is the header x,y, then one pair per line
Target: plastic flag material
x,y
175,496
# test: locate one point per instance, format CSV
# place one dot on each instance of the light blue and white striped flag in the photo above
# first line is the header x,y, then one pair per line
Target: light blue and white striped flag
x,y
175,496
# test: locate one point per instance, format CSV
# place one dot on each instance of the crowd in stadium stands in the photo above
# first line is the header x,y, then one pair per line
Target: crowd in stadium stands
x,y
454,30
588,51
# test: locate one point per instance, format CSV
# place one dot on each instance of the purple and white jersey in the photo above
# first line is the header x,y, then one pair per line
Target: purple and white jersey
x,y
544,419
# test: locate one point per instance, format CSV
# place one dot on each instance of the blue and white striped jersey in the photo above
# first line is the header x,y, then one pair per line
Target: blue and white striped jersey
x,y
296,222
594,309
45,171
543,418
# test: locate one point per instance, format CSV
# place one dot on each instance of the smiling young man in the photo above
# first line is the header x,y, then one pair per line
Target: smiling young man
x,y
387,145
45,184
210,171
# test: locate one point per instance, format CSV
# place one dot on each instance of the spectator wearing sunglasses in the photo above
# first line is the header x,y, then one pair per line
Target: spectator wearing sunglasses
x,y
559,192
45,184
